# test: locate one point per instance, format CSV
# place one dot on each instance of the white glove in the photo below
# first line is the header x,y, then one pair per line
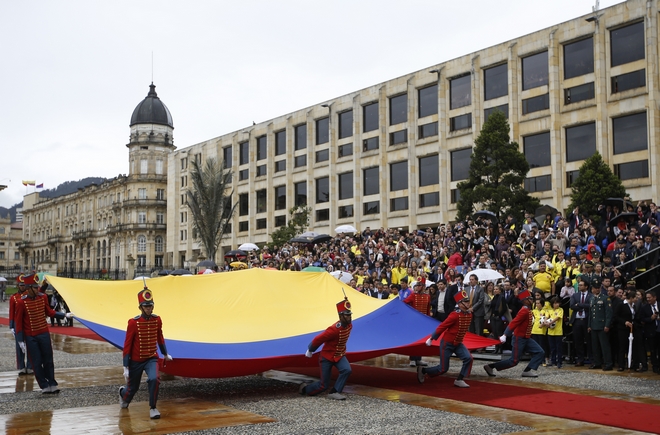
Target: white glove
x,y
503,339
69,315
23,348
428,342
168,357
13,332
126,375
308,354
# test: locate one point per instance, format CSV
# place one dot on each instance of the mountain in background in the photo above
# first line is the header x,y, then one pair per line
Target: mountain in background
x,y
63,189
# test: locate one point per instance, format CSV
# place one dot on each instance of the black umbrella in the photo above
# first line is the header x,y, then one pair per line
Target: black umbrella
x,y
300,239
485,215
207,263
544,210
163,272
627,217
179,272
321,238
623,204
235,254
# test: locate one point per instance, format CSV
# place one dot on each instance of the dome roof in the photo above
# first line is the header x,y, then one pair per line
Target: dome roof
x,y
151,110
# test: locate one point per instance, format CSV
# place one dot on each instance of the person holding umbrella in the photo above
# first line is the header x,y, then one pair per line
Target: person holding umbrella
x,y
625,316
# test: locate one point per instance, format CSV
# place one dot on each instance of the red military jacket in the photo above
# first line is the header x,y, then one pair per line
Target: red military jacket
x,y
13,300
454,327
333,340
419,301
143,336
521,325
31,315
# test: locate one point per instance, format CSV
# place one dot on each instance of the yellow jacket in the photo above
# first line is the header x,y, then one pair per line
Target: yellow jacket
x,y
538,327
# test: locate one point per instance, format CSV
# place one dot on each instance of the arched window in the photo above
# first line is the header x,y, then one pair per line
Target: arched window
x,y
158,242
142,244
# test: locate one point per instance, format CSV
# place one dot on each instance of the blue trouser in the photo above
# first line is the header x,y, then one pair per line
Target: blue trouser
x,y
519,346
556,356
321,385
40,355
21,357
135,369
446,351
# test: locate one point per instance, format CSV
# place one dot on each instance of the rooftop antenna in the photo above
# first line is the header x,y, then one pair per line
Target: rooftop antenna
x,y
152,61
595,8
595,15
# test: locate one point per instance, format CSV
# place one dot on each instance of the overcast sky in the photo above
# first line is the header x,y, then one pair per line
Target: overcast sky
x,y
73,71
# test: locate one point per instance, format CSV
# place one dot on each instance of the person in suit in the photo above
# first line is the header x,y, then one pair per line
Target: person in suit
x,y
651,324
476,295
625,317
579,320
379,292
452,290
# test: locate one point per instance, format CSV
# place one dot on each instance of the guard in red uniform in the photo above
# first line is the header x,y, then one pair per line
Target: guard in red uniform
x,y
24,369
452,331
421,301
33,336
334,340
521,328
143,335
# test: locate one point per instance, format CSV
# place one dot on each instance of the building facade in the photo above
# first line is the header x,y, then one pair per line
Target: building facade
x,y
392,154
113,227
11,235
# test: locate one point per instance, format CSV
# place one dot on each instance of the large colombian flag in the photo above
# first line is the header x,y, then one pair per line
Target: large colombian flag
x,y
246,322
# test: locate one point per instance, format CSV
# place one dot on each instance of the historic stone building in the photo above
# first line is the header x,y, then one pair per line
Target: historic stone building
x,y
113,227
392,154
11,235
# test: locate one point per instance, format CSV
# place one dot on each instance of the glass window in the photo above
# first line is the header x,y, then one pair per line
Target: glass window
x,y
535,70
244,153
460,164
428,100
261,201
571,176
227,157
397,204
159,167
261,223
322,190
142,193
322,155
535,104
323,215
158,244
371,181
460,91
630,133
398,176
370,144
300,161
345,211
370,117
345,150
262,150
538,184
142,244
627,43
428,170
280,198
345,124
280,166
579,93
460,122
428,130
142,217
280,221
504,108
496,82
243,204
398,137
300,190
579,58
631,80
346,185
280,142
371,207
243,174
322,130
429,199
301,136
143,166
580,142
398,109
261,170
630,170
243,226
537,149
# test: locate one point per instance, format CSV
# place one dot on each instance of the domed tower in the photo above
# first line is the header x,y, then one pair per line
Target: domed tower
x,y
151,137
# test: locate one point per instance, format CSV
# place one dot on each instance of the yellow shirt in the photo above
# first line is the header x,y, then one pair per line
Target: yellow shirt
x,y
398,273
543,280
554,314
538,329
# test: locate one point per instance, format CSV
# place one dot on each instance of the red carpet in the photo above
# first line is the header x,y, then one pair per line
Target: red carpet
x,y
74,332
608,412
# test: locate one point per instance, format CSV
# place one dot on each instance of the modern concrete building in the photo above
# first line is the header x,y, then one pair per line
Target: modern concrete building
x,y
392,154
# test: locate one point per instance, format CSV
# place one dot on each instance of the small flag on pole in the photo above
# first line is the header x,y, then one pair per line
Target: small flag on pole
x,y
40,186
29,182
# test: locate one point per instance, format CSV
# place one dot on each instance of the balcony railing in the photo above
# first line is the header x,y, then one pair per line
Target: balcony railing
x,y
135,227
151,202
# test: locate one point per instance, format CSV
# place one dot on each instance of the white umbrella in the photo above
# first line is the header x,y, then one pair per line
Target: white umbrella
x,y
630,348
3,279
428,283
309,234
141,277
248,247
483,275
346,229
344,277
208,271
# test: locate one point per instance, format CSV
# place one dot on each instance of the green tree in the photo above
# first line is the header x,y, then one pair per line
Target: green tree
x,y
595,183
209,201
497,172
296,226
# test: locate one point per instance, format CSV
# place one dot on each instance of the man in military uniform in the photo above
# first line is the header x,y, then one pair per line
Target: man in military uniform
x,y
24,369
421,301
452,331
143,335
333,354
600,320
589,275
